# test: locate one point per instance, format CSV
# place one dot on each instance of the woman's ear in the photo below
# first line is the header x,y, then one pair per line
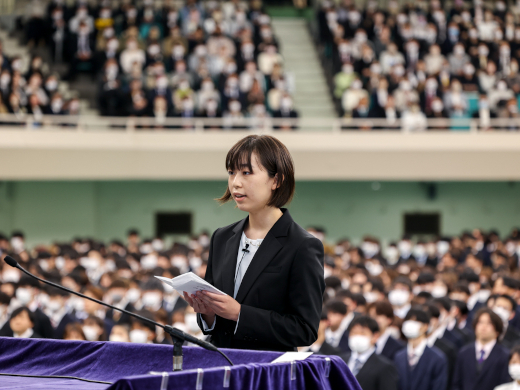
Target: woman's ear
x,y
277,183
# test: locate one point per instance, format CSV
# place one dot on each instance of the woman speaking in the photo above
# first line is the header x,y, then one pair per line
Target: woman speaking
x,y
270,268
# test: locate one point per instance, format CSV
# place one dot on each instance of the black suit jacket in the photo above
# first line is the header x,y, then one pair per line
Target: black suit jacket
x,y
450,352
391,347
281,292
511,337
494,370
378,373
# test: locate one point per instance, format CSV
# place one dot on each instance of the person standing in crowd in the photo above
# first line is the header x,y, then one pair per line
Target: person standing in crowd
x,y
386,345
513,369
339,323
372,371
482,365
420,366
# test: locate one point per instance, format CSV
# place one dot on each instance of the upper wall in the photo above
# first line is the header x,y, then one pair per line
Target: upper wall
x,y
124,154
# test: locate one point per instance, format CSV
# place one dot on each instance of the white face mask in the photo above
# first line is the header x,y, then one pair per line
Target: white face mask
x,y
17,244
412,329
398,297
370,296
149,261
133,295
405,247
24,295
138,336
502,313
359,343
151,299
11,275
439,291
514,371
90,332
118,338
53,305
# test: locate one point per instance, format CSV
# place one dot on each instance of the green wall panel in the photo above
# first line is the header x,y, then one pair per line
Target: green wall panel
x,y
49,210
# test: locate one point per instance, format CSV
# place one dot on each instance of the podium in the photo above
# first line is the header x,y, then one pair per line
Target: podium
x,y
83,365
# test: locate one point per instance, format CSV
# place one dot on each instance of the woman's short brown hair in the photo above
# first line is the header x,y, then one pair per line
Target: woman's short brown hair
x,y
274,158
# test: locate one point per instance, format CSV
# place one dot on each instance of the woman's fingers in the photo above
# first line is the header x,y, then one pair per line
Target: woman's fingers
x,y
188,299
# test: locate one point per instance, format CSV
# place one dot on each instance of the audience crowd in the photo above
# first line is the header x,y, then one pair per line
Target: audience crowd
x,y
435,314
423,60
34,91
152,59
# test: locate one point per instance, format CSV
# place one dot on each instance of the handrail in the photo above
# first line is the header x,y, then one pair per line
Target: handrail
x,y
326,124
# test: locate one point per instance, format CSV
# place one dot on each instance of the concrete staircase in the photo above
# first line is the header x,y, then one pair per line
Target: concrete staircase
x,y
311,94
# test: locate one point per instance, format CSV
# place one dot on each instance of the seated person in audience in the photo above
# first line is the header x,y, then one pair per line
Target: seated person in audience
x,y
386,344
141,331
336,334
372,371
5,300
116,295
400,296
120,333
513,369
505,307
94,329
483,364
435,337
22,324
419,365
27,292
321,346
74,331
81,48
56,309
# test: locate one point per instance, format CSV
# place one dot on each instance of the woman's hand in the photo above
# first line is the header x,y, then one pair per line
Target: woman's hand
x,y
208,315
222,305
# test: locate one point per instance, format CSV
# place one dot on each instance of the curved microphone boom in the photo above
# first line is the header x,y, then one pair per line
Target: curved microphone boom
x,y
176,334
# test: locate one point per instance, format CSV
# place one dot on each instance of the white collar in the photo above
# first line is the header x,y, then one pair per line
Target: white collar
x,y
417,351
363,357
25,335
487,348
246,240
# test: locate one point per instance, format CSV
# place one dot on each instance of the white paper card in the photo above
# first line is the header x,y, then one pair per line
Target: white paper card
x,y
292,356
190,283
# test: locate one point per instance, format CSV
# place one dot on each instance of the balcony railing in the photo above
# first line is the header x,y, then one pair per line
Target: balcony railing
x,y
130,124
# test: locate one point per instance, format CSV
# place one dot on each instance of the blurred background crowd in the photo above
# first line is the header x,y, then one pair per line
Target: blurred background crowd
x,y
153,59
447,286
423,59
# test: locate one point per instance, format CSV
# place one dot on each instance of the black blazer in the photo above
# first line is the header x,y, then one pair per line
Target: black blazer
x,y
378,373
281,292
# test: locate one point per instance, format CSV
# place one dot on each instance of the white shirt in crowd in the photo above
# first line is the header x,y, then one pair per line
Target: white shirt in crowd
x,y
361,358
487,348
414,354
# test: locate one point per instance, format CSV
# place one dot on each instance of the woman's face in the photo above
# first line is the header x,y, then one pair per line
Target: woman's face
x,y
251,190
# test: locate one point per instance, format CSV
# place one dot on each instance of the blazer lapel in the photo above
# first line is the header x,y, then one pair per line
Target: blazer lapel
x,y
367,366
266,252
486,365
229,262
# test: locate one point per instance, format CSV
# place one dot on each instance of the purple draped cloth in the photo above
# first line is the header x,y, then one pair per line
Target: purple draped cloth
x,y
127,366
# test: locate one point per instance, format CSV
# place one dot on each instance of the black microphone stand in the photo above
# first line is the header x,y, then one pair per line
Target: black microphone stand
x,y
178,336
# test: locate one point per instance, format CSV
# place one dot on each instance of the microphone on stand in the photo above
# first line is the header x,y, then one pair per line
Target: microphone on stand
x,y
178,335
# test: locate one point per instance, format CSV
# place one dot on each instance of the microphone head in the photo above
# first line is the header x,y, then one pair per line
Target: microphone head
x,y
12,262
